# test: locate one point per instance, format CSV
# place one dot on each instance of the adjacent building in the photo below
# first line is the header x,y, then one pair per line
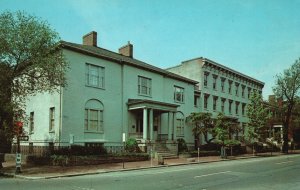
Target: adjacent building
x,y
219,88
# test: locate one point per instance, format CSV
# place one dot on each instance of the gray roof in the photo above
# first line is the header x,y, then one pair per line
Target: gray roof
x,y
233,71
121,59
205,60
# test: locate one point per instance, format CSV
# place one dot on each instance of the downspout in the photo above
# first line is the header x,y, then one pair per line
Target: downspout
x,y
122,98
60,116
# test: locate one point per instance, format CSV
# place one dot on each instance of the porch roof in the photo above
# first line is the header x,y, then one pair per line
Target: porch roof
x,y
134,104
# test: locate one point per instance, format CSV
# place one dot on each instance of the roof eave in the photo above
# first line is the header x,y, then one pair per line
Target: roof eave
x,y
123,61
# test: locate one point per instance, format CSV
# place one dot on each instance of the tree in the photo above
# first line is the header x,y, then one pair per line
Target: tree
x,y
224,127
258,115
202,124
287,87
30,62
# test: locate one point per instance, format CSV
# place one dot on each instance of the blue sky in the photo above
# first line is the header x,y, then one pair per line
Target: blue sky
x,y
259,38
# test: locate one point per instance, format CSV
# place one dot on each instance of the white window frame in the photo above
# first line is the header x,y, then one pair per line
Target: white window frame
x,y
237,105
230,107
215,103
31,122
215,78
51,119
178,94
97,80
88,120
229,87
205,80
205,101
144,83
237,85
223,105
223,84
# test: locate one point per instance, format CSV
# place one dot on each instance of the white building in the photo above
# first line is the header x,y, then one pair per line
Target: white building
x,y
109,94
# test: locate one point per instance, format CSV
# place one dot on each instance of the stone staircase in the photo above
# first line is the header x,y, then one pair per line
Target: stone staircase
x,y
162,152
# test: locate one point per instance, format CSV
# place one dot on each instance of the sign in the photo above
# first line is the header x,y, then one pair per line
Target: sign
x,y
124,137
23,138
19,124
71,139
18,160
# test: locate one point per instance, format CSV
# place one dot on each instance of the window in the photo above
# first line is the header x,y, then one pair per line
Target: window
x,y
178,94
215,99
230,106
215,82
243,91
223,84
237,89
31,122
223,105
51,119
249,92
144,86
229,86
94,76
206,96
237,108
243,108
196,100
206,78
179,124
93,116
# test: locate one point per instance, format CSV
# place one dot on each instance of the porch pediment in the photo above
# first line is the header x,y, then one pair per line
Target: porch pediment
x,y
134,104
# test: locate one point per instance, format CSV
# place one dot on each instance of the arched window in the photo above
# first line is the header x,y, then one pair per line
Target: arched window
x,y
179,124
93,116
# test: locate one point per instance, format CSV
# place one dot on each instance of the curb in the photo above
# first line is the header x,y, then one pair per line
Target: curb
x,y
133,169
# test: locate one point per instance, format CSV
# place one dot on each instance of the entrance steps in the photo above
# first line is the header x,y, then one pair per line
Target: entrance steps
x,y
162,152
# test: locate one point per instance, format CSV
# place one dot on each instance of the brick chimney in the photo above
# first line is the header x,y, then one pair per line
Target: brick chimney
x,y
90,39
127,50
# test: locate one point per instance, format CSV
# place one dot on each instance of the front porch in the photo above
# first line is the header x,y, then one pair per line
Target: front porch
x,y
151,121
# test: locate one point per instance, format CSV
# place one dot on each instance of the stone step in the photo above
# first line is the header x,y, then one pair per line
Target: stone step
x,y
167,155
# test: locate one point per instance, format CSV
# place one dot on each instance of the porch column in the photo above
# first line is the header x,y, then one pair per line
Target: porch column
x,y
173,125
170,122
145,123
151,123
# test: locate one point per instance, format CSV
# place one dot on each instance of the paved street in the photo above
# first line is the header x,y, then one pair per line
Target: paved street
x,y
280,172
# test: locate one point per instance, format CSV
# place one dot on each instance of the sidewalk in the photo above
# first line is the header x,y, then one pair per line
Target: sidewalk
x,y
46,172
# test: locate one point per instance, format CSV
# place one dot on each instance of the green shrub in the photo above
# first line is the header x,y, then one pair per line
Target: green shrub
x,y
78,150
131,145
39,160
210,147
59,160
232,142
182,147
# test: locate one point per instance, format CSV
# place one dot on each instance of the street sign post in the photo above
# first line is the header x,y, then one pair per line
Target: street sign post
x,y
18,163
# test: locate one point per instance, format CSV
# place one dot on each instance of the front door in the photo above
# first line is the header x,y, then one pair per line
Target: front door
x,y
156,125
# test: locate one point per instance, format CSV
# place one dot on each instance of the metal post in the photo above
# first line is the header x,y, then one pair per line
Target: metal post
x,y
198,153
18,157
151,154
123,155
